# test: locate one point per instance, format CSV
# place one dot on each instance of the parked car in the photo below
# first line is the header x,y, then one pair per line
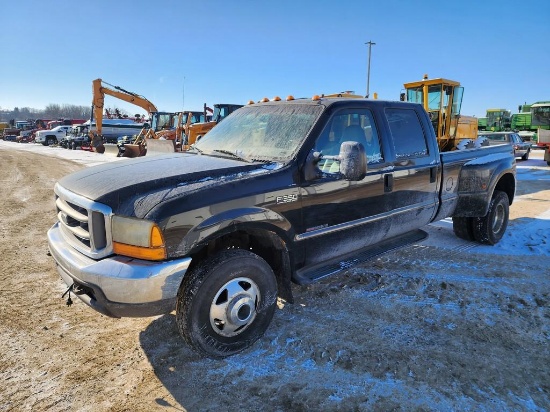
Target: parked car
x,y
10,138
53,136
521,148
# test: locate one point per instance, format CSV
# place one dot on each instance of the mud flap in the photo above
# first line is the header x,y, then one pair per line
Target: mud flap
x,y
312,273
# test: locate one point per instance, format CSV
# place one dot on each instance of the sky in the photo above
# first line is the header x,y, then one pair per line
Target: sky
x,y
182,54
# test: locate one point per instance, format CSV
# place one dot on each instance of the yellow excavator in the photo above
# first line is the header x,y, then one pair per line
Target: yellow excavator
x,y
98,104
442,99
160,136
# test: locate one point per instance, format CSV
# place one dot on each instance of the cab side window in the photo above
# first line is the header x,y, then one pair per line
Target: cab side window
x,y
348,125
407,132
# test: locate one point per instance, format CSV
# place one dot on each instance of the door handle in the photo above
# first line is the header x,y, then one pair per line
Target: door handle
x,y
388,183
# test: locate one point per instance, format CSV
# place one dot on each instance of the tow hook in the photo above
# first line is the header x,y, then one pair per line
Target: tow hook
x,y
69,300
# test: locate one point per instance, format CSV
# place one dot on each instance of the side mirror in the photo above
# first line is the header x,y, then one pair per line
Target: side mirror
x,y
353,161
311,172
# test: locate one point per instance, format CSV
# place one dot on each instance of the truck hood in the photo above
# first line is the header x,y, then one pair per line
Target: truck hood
x,y
128,190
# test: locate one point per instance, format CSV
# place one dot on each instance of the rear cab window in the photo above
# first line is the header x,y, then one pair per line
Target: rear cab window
x,y
408,135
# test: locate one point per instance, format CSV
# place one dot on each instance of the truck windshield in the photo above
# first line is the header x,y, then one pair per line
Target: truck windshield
x,y
262,133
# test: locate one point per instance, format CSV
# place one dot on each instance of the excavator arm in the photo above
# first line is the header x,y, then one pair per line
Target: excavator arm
x,y
98,103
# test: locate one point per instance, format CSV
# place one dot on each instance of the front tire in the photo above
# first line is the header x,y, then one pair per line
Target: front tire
x,y
490,228
526,155
226,303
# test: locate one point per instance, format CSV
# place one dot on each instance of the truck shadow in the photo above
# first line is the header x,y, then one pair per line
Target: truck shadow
x,y
172,361
184,373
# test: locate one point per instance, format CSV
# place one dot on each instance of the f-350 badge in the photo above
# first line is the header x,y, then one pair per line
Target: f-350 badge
x,y
287,199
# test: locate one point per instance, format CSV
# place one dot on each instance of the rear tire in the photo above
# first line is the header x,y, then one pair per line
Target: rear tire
x,y
226,303
464,228
490,228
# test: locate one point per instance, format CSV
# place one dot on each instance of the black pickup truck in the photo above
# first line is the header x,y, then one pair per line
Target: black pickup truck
x,y
279,192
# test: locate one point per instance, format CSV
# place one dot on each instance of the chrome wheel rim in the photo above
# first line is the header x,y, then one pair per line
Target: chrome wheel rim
x,y
233,308
498,220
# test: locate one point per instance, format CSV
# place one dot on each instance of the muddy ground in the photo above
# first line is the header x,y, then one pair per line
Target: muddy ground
x,y
440,325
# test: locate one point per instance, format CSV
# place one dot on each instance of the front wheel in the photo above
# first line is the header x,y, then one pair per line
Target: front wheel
x,y
526,155
226,303
490,228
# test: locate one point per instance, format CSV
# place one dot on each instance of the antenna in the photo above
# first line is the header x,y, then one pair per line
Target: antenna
x,y
370,43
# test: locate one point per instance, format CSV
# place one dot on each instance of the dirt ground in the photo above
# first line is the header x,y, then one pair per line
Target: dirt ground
x,y
441,325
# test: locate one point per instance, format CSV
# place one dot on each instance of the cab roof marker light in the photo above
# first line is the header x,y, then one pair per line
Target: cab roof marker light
x,y
264,100
276,99
289,98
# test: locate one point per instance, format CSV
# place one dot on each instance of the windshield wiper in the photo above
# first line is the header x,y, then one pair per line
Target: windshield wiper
x,y
196,148
233,154
266,161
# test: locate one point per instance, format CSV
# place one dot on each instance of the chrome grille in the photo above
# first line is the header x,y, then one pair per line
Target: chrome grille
x,y
85,224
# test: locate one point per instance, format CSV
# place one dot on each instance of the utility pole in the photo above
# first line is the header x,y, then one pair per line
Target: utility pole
x,y
370,43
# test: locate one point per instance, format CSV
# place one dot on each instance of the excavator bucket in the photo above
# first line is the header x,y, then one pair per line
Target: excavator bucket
x,y
160,146
133,150
111,149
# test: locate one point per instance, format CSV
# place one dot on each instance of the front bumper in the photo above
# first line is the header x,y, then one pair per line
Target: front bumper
x,y
118,286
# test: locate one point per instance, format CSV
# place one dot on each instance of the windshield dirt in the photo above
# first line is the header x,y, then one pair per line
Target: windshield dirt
x,y
264,133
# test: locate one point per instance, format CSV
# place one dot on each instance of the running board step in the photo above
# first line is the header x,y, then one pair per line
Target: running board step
x,y
313,273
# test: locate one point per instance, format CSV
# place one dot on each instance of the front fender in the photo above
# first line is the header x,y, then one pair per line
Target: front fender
x,y
183,240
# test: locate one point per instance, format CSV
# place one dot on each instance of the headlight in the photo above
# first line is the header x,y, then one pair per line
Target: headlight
x,y
137,238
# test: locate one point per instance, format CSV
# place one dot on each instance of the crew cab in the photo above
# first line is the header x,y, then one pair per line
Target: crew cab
x,y
53,136
278,193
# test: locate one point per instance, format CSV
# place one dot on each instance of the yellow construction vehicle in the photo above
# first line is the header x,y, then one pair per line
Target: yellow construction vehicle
x,y
98,103
442,99
168,133
467,127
